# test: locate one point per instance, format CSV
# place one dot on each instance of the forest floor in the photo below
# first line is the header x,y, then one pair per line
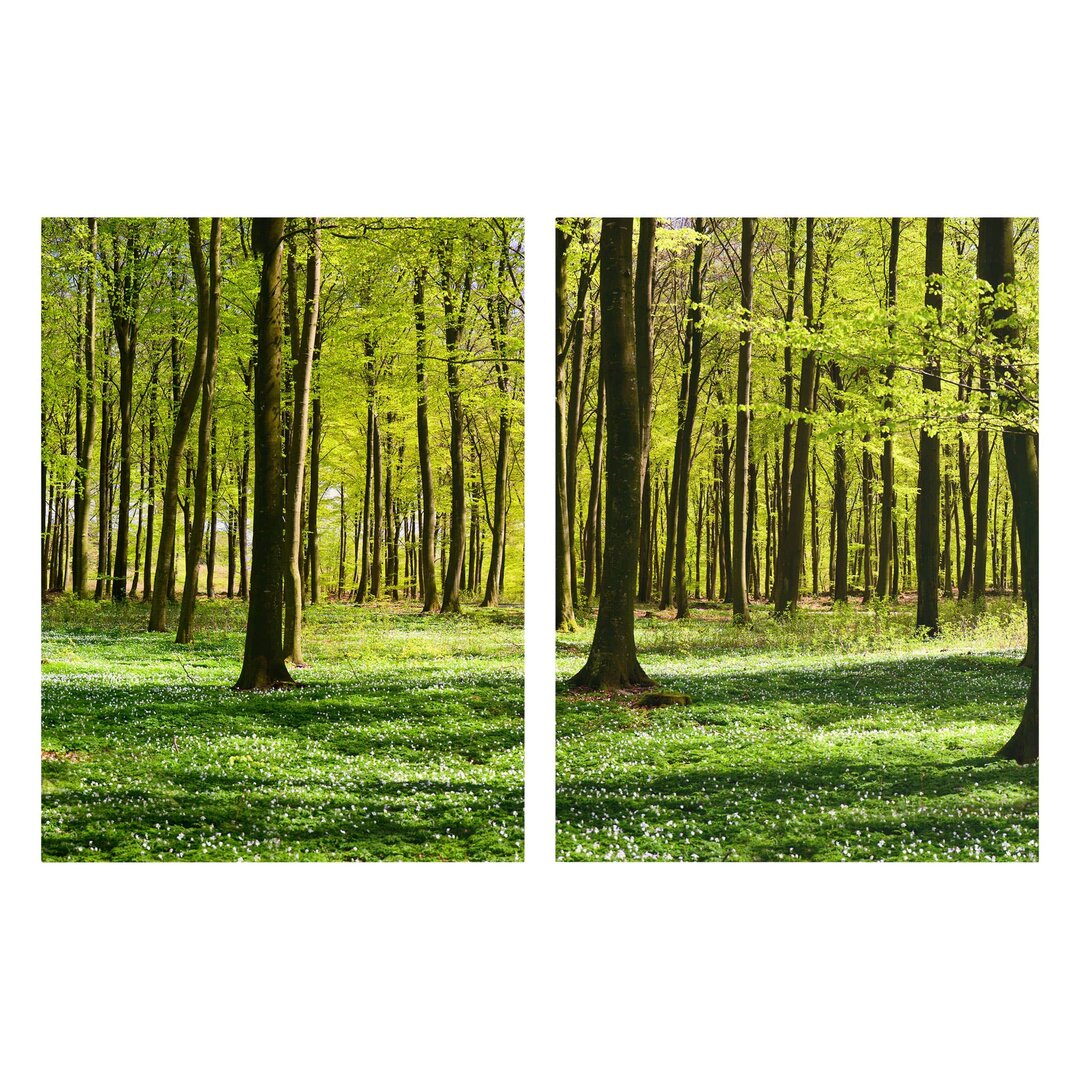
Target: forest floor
x,y
406,740
839,735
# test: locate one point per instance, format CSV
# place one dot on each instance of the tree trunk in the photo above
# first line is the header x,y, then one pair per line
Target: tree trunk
x,y
427,487
1021,461
789,563
86,444
565,620
185,409
314,493
454,310
682,606
212,528
294,486
264,663
928,500
612,658
209,292
885,548
739,605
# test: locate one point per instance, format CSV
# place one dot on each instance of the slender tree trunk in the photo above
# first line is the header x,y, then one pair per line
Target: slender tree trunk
x,y
612,658
885,548
784,500
928,500
565,620
101,589
314,494
184,411
123,300
86,443
369,465
264,663
209,291
682,606
427,487
739,603
294,486
454,310
789,564
212,529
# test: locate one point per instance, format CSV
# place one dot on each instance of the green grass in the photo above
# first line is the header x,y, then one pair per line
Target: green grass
x,y
834,736
405,741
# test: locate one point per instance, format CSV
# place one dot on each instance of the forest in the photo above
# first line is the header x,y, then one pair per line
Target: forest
x,y
282,454
797,485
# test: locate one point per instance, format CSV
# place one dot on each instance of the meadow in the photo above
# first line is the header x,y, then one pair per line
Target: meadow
x,y
837,735
404,742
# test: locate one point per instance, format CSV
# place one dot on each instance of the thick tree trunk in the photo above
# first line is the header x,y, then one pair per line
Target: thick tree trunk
x,y
1021,461
294,487
209,291
784,496
264,663
612,658
928,500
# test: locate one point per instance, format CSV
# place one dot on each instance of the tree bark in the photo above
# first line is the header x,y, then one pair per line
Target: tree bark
x,y
565,620
789,563
427,487
885,547
185,409
454,311
928,500
682,605
612,658
294,487
1021,461
86,445
739,603
264,663
209,292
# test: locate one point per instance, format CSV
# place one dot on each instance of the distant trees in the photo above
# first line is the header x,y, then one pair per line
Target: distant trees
x,y
133,486
872,451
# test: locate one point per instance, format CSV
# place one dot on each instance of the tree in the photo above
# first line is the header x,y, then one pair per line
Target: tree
x,y
208,284
928,504
740,605
789,561
264,663
996,269
565,620
612,660
294,487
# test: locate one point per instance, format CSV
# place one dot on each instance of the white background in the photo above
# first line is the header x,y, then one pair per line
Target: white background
x,y
538,969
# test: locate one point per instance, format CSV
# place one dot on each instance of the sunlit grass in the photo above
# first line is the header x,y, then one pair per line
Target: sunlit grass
x,y
838,735
404,742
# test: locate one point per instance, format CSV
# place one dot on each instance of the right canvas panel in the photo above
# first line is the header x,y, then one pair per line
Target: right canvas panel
x,y
797,538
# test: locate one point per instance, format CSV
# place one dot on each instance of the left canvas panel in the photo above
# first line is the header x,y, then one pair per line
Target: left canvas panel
x,y
282,539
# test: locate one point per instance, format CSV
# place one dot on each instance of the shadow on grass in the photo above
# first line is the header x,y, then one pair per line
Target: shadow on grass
x,y
803,762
